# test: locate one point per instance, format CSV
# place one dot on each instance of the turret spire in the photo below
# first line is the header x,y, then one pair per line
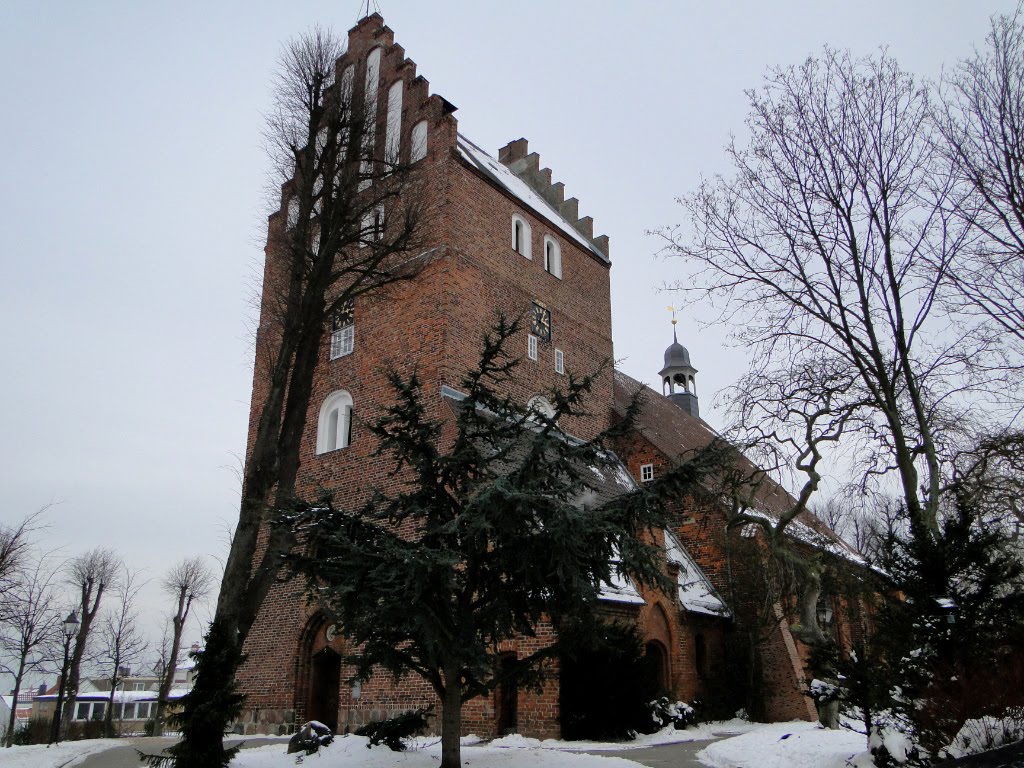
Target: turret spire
x,y
678,377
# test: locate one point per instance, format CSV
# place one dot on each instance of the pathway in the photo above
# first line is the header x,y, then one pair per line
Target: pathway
x,y
680,755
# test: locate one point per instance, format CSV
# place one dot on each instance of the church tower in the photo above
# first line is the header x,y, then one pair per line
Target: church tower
x,y
678,382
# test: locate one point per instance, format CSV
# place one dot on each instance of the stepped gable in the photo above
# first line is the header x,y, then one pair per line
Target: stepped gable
x,y
519,174
674,432
418,103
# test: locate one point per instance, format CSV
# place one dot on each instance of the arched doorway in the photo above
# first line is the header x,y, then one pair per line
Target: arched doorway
x,y
318,673
655,662
325,676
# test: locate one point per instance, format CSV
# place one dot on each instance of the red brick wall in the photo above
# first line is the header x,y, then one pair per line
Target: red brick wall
x,y
432,325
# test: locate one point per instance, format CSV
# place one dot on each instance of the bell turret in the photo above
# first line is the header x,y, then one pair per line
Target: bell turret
x,y
678,377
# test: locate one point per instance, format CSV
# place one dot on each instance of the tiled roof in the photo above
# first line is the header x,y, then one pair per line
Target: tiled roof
x,y
674,432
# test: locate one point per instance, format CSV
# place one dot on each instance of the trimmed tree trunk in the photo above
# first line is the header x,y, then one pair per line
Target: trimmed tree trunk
x,y
451,724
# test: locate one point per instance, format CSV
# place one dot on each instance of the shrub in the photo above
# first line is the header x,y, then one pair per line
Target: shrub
x,y
35,731
394,730
666,712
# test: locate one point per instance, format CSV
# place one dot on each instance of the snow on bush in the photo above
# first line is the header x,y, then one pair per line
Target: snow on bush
x,y
985,733
823,691
675,713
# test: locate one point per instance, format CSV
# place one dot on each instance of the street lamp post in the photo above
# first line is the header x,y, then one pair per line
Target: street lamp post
x,y
70,625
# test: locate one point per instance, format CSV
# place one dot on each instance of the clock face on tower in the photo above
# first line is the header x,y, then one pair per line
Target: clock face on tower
x,y
540,322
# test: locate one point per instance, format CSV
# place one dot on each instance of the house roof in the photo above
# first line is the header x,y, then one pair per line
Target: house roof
x,y
519,189
674,432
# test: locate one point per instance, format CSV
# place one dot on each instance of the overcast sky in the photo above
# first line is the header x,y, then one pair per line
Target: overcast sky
x,y
134,209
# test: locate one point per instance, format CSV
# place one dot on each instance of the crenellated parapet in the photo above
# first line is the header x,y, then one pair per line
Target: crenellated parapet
x,y
516,156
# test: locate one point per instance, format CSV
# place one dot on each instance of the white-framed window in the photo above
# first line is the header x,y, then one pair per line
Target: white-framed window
x,y
373,226
393,133
418,150
559,361
343,331
334,427
521,236
293,213
646,473
531,346
138,686
552,257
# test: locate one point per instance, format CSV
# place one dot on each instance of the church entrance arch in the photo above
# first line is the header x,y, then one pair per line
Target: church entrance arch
x,y
318,683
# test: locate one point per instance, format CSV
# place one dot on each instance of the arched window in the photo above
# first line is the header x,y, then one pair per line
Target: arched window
x,y
370,118
542,406
552,257
334,427
418,150
393,134
521,236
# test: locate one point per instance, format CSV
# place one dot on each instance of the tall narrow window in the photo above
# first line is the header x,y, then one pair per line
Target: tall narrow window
x,y
373,226
521,236
343,331
348,78
293,213
559,361
393,135
334,427
370,116
531,346
552,257
418,150
646,473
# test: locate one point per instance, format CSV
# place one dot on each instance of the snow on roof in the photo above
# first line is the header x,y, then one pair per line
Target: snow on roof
x,y
519,189
696,593
620,590
119,696
801,531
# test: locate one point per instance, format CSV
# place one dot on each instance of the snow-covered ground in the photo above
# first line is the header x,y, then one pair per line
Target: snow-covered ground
x,y
667,735
789,745
779,745
65,753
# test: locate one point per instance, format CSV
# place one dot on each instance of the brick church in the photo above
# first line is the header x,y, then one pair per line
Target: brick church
x,y
504,237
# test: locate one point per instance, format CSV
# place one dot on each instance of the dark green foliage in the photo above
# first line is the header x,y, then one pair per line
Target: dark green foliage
x,y
393,731
35,731
961,617
493,522
606,686
208,709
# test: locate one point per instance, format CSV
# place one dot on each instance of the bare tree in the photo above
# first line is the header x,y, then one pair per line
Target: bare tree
x,y
830,247
15,546
982,133
122,641
350,225
91,574
187,581
30,632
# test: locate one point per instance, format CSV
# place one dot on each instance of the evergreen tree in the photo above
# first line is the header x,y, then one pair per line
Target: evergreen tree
x,y
493,523
960,617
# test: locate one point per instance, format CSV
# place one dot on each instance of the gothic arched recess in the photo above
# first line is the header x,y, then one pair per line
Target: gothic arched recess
x,y
318,678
